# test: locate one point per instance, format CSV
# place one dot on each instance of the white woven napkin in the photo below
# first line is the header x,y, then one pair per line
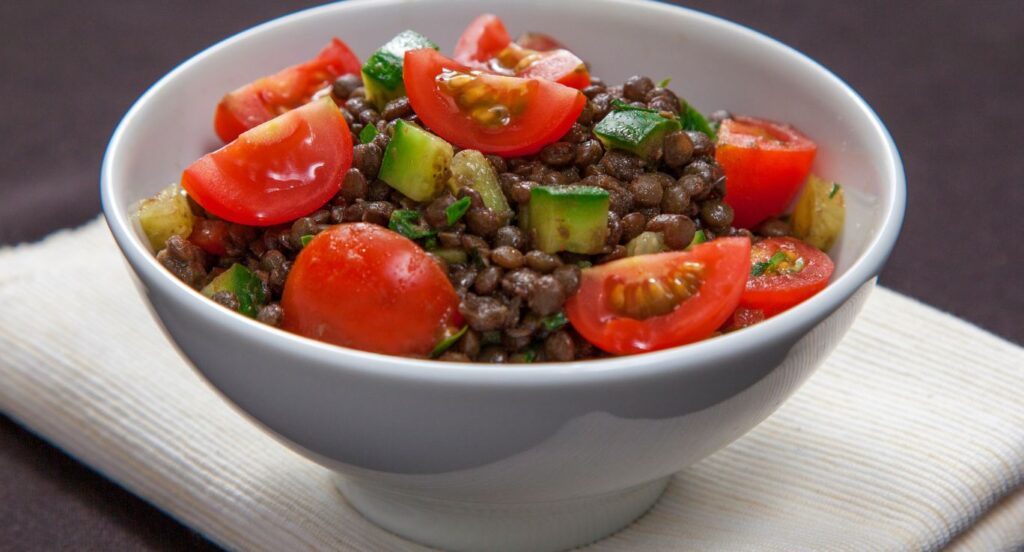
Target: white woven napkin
x,y
910,436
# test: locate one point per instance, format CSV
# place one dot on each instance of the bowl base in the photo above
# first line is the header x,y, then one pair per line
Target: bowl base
x,y
454,525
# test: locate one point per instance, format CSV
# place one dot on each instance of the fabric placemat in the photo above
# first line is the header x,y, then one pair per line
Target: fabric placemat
x,y
909,437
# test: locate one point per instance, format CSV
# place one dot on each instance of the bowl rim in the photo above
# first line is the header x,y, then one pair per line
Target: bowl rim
x,y
692,357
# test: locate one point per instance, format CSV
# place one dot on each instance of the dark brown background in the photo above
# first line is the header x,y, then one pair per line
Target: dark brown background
x,y
946,77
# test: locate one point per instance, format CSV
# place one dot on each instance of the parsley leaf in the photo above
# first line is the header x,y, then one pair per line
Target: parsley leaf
x,y
832,192
555,321
664,82
455,211
447,342
406,223
764,266
693,120
306,239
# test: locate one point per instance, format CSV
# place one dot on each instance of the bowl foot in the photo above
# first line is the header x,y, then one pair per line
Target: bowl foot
x,y
455,525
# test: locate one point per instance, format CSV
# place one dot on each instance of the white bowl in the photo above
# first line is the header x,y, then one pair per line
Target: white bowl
x,y
548,456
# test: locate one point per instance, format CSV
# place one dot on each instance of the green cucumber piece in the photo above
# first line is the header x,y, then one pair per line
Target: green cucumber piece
x,y
382,72
456,210
646,243
164,215
451,255
368,133
698,238
247,287
470,168
569,218
416,162
638,131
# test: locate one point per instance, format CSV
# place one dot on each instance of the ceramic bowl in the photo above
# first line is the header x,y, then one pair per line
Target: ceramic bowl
x,y
529,457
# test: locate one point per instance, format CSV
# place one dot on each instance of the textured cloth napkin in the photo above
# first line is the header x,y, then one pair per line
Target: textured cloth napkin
x,y
909,437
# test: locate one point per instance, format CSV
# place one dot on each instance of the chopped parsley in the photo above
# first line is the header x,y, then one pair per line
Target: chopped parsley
x,y
456,210
765,266
306,239
693,120
407,223
664,82
447,342
699,237
368,133
619,105
834,190
555,321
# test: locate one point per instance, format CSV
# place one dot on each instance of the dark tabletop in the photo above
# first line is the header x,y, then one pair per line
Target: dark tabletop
x,y
946,77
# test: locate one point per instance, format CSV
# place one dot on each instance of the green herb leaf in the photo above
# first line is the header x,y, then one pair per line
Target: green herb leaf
x,y
555,321
832,192
430,243
456,210
447,342
529,356
760,268
693,120
406,223
584,264
306,239
664,82
368,133
619,105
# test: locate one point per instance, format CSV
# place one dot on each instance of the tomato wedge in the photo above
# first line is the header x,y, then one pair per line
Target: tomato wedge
x,y
651,302
279,171
785,272
363,286
268,97
485,44
765,164
496,114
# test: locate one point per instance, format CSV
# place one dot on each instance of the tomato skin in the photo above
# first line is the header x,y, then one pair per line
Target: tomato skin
x,y
765,164
209,235
276,172
775,293
726,265
551,108
741,318
483,39
363,286
486,39
268,97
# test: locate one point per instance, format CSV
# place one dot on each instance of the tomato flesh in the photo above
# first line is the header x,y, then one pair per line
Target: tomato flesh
x,y
276,172
485,44
268,97
765,164
804,272
363,286
652,302
507,116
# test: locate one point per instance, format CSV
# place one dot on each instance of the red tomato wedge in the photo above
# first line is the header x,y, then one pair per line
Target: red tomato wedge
x,y
268,97
786,271
363,286
496,114
485,44
765,164
483,39
281,170
652,302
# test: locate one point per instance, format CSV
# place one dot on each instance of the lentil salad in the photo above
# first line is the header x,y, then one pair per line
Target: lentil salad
x,y
501,206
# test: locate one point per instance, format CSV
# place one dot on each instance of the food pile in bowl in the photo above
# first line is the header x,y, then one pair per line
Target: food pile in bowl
x,y
500,205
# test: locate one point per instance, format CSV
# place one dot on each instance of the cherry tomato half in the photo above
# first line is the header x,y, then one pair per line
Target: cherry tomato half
x,y
785,272
266,98
496,114
279,171
363,286
651,302
485,44
765,164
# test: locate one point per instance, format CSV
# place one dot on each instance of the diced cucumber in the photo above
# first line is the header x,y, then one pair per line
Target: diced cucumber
x,y
164,215
452,255
639,131
819,213
646,243
699,237
247,287
416,162
470,168
569,218
382,72
368,133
